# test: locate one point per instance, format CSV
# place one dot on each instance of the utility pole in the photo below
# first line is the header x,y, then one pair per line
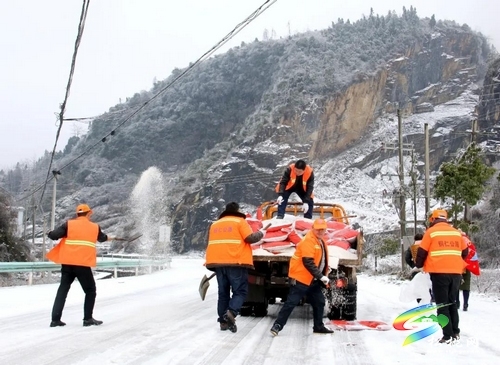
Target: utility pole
x,y
413,176
401,147
54,189
55,173
402,210
473,135
33,206
427,178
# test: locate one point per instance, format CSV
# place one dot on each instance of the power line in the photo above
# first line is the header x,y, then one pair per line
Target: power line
x,y
81,27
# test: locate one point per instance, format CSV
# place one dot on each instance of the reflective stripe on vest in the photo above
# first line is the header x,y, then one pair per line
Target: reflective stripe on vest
x,y
445,252
80,243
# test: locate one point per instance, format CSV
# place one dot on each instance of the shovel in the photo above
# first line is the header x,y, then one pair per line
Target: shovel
x,y
133,238
204,284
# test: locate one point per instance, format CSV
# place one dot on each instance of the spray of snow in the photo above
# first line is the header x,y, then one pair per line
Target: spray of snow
x,y
149,208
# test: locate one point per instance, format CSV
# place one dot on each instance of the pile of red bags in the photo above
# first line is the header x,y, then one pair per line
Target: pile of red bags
x,y
285,234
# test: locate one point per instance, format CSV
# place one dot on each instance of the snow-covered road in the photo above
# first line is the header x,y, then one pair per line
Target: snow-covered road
x,y
160,319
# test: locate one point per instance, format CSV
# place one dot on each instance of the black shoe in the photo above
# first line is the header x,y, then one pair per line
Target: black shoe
x,y
279,217
322,330
231,321
446,340
58,323
456,336
466,306
224,326
91,322
275,329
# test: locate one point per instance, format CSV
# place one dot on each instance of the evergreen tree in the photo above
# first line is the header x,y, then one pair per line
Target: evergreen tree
x,y
10,248
432,22
463,182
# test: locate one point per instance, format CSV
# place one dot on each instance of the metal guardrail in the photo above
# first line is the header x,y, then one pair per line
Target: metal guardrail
x,y
31,267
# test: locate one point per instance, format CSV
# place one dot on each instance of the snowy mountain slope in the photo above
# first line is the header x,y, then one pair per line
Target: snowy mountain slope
x,y
160,319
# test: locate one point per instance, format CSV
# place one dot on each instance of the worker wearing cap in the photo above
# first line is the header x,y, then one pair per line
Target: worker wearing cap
x,y
441,254
76,252
308,276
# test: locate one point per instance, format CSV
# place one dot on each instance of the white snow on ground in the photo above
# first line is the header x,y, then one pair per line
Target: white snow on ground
x,y
160,319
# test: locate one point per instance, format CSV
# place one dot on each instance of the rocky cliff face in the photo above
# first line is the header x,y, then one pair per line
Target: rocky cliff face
x,y
488,109
426,75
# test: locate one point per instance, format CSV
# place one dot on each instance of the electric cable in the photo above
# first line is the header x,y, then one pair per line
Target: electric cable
x,y
81,27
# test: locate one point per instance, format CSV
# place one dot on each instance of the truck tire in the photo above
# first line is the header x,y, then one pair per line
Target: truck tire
x,y
246,311
342,303
260,309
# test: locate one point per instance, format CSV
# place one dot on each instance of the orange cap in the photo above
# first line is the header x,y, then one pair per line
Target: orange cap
x,y
320,224
83,208
439,214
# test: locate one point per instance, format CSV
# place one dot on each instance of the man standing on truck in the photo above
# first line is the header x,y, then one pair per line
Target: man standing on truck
x,y
308,276
229,254
298,178
441,254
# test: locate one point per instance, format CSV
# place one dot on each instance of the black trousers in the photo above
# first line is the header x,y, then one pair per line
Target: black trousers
x,y
86,280
445,289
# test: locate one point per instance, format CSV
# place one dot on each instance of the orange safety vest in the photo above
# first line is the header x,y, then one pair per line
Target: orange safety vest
x,y
226,243
78,247
293,176
310,246
444,246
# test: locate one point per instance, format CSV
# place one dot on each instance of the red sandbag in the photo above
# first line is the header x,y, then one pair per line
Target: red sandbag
x,y
273,246
336,225
255,224
347,234
274,236
339,243
301,225
279,226
294,238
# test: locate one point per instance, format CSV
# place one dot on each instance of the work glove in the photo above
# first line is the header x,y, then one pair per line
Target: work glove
x,y
279,200
416,269
325,280
305,207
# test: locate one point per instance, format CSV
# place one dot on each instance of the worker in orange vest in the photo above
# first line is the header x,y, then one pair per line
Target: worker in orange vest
x,y
229,254
76,252
308,276
298,178
441,254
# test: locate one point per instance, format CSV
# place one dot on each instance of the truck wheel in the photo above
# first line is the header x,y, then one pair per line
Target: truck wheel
x,y
246,311
350,306
260,310
342,303
334,313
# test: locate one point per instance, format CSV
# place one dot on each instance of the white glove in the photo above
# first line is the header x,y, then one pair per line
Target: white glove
x,y
305,207
279,200
416,269
325,280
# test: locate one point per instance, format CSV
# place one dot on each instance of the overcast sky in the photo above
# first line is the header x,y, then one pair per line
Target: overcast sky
x,y
128,43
